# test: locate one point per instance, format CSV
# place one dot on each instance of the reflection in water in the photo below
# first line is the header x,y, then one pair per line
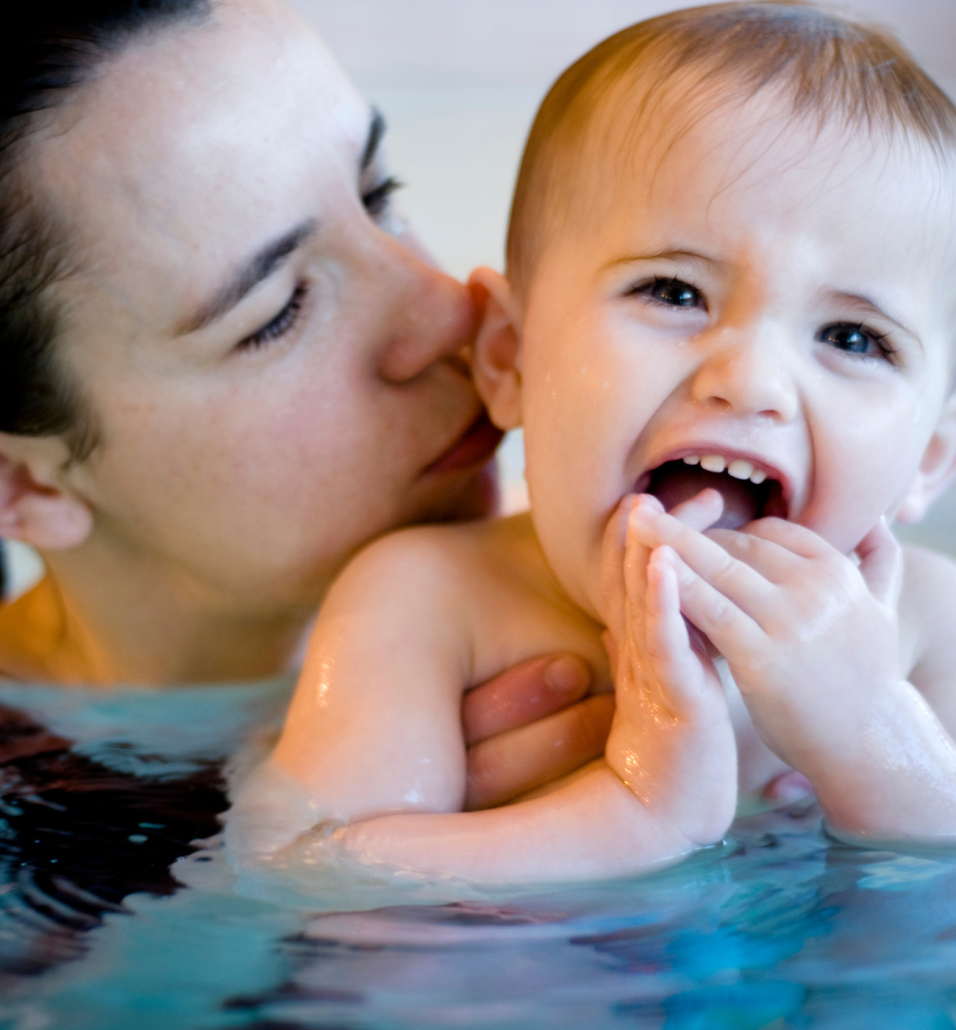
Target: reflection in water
x,y
784,930
779,928
78,838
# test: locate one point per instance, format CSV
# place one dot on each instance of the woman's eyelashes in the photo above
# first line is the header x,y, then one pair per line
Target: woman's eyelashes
x,y
376,199
280,325
856,339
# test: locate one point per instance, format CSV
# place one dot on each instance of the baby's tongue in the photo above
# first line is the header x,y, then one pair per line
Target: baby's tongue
x,y
675,482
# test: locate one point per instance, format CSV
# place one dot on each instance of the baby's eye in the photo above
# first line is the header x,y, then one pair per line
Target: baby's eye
x,y
855,339
674,293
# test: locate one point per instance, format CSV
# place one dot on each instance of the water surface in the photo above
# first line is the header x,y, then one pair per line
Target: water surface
x,y
780,927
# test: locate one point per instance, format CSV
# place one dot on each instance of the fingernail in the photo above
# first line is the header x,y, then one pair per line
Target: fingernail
x,y
642,509
564,676
788,788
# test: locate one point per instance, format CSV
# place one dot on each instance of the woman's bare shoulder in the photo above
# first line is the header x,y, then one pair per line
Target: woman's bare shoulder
x,y
33,643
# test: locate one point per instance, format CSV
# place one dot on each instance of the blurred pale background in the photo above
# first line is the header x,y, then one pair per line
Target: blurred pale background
x,y
459,81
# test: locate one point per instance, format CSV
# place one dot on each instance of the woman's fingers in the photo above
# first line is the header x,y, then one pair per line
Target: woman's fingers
x,y
881,563
521,695
511,764
736,580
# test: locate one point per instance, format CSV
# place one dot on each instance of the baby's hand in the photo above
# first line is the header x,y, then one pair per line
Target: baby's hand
x,y
812,641
671,740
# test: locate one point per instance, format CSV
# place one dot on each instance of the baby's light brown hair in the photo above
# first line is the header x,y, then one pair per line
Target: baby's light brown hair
x,y
828,66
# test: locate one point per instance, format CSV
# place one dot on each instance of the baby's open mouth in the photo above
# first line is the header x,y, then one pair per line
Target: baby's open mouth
x,y
749,492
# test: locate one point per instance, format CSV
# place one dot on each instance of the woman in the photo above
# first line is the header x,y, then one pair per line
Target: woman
x,y
225,363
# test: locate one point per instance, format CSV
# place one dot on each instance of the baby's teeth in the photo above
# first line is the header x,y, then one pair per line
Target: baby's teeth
x,y
692,459
713,463
740,469
758,476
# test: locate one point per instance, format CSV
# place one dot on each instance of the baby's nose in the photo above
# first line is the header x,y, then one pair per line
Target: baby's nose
x,y
748,377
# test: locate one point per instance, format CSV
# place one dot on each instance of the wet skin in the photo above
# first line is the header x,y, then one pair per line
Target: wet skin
x,y
761,295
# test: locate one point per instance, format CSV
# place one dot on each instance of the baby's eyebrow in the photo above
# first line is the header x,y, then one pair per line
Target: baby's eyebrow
x,y
675,255
864,300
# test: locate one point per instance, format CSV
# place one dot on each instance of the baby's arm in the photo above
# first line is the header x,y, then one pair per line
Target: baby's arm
x,y
812,641
374,739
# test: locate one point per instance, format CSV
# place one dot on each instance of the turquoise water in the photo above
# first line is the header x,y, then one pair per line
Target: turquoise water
x,y
778,928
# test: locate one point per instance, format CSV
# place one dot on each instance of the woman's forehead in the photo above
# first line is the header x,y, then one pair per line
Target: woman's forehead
x,y
202,137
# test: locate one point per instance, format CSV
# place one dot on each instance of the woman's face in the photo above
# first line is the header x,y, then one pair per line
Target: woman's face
x,y
273,363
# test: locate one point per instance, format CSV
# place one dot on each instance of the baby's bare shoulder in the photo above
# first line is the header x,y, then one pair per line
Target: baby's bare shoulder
x,y
929,584
927,613
435,560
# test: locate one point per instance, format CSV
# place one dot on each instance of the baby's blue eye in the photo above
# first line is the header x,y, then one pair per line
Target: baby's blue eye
x,y
675,293
853,339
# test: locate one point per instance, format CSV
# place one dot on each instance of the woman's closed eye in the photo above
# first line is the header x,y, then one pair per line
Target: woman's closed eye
x,y
856,339
280,325
377,198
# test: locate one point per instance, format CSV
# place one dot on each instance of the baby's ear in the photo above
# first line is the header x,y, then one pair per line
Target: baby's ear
x,y
496,357
34,506
937,468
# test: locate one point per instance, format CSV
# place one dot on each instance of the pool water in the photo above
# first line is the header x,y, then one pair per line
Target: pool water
x,y
101,793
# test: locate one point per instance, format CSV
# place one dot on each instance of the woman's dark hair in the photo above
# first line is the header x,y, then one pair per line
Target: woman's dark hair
x,y
51,48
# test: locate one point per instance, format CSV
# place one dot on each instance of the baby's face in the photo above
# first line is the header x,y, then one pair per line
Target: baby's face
x,y
758,300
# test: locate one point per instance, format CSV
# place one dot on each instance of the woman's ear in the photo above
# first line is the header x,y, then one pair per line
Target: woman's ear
x,y
496,356
34,506
937,468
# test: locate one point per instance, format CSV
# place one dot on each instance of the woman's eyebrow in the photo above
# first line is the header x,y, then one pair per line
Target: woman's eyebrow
x,y
260,266
376,130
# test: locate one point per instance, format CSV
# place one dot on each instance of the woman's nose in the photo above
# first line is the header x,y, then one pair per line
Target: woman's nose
x,y
431,317
748,374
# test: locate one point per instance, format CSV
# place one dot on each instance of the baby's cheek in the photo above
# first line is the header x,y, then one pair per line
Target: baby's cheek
x,y
851,495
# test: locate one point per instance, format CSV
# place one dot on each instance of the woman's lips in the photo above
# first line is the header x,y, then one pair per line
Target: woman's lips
x,y
475,447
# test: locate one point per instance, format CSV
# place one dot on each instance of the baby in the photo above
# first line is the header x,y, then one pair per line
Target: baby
x,y
727,330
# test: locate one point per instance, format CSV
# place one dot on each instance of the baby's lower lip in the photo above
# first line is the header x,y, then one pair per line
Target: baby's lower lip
x,y
473,448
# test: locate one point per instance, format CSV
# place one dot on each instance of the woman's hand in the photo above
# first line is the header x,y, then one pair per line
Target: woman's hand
x,y
531,725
